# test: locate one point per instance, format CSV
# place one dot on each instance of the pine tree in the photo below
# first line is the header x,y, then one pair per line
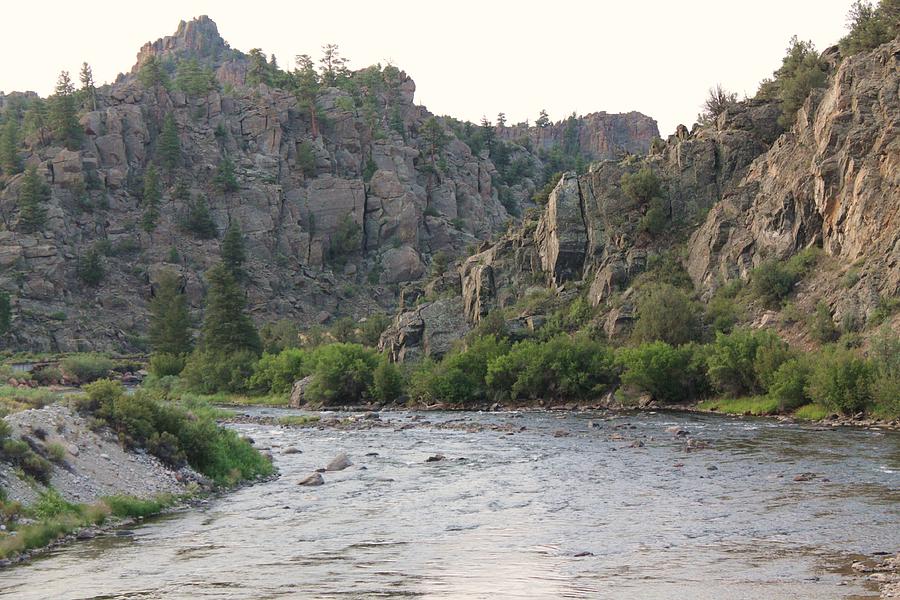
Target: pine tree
x,y
307,89
10,162
198,220
152,197
543,119
169,148
90,267
5,312
333,65
36,120
64,114
258,71
193,79
488,134
226,326
151,73
225,179
233,252
32,196
501,120
435,137
88,91
170,322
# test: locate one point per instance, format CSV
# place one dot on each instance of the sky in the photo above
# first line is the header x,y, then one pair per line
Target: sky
x,y
469,58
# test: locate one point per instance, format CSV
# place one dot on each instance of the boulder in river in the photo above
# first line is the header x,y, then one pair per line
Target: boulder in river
x,y
298,390
435,458
292,450
338,463
312,479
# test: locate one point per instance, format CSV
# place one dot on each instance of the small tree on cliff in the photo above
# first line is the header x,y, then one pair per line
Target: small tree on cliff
x,y
333,66
225,178
64,114
10,162
37,120
543,119
234,253
169,149
436,138
307,89
151,73
32,196
170,322
88,92
152,197
5,312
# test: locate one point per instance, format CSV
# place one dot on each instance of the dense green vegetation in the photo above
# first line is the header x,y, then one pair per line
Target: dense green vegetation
x,y
870,26
152,420
801,71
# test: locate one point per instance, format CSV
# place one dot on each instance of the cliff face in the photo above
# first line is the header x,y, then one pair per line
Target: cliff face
x,y
745,192
833,180
598,135
359,184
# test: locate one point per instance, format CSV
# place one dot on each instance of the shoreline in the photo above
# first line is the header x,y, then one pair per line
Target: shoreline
x,y
833,421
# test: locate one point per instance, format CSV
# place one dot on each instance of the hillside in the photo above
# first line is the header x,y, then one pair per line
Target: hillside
x,y
338,204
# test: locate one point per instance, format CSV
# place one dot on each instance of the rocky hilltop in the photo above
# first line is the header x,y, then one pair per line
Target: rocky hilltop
x,y
337,206
734,193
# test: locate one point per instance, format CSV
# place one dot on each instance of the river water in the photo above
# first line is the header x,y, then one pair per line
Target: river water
x,y
513,516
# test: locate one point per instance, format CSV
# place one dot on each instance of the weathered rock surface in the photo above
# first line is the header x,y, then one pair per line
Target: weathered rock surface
x,y
833,180
331,237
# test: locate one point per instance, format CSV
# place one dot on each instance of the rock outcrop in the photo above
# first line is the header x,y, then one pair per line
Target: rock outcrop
x,y
597,135
336,214
832,181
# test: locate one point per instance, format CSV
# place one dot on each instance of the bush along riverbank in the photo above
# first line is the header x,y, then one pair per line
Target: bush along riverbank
x,y
105,458
745,371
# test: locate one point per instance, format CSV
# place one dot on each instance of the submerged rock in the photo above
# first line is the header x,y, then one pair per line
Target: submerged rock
x,y
312,479
338,463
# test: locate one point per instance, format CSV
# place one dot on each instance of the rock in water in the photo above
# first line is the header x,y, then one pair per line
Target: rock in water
x,y
312,479
339,463
435,458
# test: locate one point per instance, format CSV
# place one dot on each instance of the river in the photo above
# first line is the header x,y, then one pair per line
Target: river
x,y
568,507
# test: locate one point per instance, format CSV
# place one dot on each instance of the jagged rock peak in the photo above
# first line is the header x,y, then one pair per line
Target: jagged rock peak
x,y
198,38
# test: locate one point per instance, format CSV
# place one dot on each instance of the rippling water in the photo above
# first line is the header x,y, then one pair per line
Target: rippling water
x,y
507,516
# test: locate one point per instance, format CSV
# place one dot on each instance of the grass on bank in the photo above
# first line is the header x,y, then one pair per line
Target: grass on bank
x,y
752,405
57,518
298,420
812,412
15,399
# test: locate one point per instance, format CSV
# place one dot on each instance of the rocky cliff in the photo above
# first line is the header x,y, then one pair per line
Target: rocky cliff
x,y
597,135
734,193
337,208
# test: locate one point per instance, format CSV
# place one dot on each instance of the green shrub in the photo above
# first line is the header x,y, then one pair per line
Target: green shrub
x,y
821,325
641,187
145,420
656,218
840,381
460,378
870,26
343,374
560,368
387,381
885,353
56,452
667,314
86,367
789,384
801,71
128,506
669,374
276,373
51,504
164,364
90,268
21,455
211,371
745,361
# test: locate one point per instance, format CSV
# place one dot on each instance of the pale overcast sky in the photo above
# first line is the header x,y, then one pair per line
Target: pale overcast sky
x,y
469,58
